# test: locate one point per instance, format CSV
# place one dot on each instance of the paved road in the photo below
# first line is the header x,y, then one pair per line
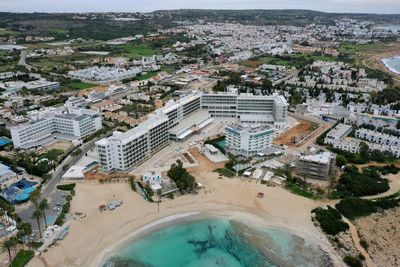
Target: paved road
x,y
22,60
49,190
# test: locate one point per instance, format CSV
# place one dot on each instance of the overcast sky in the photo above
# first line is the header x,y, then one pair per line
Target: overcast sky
x,y
361,6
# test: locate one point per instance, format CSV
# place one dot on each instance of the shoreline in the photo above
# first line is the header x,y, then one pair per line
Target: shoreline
x,y
388,66
250,219
142,232
225,198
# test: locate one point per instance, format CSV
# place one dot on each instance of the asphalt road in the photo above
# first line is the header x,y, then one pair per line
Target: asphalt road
x,y
49,191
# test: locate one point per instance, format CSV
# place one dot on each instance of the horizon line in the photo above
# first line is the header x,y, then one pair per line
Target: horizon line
x,y
194,9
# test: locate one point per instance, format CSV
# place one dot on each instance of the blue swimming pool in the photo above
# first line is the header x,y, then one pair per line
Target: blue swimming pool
x,y
221,143
4,141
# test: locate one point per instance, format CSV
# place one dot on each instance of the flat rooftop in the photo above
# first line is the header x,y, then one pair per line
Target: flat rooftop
x,y
189,121
249,128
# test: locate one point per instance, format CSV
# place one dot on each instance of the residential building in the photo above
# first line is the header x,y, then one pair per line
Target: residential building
x,y
338,133
377,137
377,121
318,166
6,175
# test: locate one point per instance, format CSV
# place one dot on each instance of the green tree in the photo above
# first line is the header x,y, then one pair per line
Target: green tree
x,y
37,214
364,151
184,181
24,229
43,206
34,197
8,245
341,160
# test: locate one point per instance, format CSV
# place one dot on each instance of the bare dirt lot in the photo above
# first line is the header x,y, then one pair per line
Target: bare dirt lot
x,y
205,165
61,145
296,134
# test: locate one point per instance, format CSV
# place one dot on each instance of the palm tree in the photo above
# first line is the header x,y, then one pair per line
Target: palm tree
x,y
37,214
8,245
34,197
43,206
2,213
24,229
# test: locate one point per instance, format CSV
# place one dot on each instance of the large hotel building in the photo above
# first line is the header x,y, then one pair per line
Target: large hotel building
x,y
178,119
45,129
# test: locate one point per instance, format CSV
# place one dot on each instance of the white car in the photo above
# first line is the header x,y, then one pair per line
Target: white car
x,y
56,208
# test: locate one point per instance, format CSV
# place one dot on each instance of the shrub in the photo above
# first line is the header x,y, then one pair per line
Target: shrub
x,y
355,207
352,261
66,187
354,183
364,244
330,220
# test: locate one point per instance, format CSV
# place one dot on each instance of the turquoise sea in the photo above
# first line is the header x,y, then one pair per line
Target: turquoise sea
x,y
218,242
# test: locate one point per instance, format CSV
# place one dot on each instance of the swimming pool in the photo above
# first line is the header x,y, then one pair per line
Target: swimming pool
x,y
221,143
4,141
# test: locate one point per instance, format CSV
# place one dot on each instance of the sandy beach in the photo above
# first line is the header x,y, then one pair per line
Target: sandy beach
x,y
373,59
95,236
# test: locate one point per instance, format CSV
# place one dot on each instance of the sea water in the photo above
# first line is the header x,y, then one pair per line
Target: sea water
x,y
217,242
392,63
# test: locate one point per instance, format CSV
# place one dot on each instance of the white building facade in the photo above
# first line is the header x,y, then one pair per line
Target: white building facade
x,y
76,124
248,141
178,119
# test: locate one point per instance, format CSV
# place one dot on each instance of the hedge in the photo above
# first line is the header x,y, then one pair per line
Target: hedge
x,y
22,258
66,187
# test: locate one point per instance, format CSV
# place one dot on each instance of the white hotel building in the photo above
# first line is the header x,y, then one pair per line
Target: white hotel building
x,y
249,108
178,119
46,129
248,140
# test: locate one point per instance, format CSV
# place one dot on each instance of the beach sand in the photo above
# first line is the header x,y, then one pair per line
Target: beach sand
x,y
93,237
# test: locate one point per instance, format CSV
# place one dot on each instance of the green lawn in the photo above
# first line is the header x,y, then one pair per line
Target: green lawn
x,y
78,85
352,47
22,258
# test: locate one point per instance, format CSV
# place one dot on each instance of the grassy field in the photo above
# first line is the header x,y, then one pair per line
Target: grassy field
x,y
289,61
135,51
4,32
347,47
78,86
58,62
148,75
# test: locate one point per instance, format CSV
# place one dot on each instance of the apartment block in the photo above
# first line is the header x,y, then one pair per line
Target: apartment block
x,y
377,137
318,166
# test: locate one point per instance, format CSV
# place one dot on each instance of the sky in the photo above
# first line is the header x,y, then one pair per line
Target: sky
x,y
348,6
